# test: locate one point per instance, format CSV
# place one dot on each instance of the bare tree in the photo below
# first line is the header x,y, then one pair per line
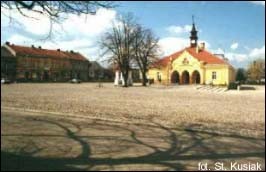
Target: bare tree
x,y
118,43
256,70
54,10
145,50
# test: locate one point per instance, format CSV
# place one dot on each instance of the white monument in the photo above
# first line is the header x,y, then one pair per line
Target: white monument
x,y
119,79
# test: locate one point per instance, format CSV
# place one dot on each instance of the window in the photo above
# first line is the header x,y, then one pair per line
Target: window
x,y
26,62
213,75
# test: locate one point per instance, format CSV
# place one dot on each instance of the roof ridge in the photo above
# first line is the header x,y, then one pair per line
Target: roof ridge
x,y
54,53
202,55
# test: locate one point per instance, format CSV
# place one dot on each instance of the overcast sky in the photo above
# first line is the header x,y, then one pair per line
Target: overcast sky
x,y
234,28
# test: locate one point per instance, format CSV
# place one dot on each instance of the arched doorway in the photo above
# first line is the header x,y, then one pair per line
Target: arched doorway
x,y
185,77
175,77
196,77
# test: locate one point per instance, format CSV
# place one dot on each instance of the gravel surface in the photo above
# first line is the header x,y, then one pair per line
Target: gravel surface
x,y
240,112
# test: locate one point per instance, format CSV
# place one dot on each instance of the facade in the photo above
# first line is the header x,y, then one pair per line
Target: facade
x,y
192,65
22,63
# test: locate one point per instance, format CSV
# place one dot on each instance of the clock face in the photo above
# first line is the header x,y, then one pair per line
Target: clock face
x,y
193,41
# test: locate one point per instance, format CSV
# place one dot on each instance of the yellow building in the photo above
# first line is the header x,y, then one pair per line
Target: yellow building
x,y
192,65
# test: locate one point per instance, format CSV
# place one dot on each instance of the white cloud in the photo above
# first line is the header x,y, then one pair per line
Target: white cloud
x,y
20,39
179,29
83,24
170,45
89,25
237,57
258,52
234,46
258,2
218,51
79,33
243,57
36,23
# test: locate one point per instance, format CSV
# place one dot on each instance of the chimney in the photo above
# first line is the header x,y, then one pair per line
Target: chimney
x,y
202,46
226,59
7,43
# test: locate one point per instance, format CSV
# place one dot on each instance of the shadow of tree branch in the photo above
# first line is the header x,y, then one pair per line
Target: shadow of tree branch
x,y
178,148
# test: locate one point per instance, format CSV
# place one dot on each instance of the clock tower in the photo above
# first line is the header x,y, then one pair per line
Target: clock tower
x,y
193,35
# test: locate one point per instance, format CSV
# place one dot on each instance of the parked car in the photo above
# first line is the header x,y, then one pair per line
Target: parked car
x,y
5,81
74,80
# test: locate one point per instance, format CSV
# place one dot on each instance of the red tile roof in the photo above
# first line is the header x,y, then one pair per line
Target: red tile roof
x,y
202,55
40,52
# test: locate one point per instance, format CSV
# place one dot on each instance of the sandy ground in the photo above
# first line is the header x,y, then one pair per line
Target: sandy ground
x,y
40,141
227,112
83,127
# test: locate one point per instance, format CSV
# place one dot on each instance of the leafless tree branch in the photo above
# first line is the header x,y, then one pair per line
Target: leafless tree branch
x,y
55,10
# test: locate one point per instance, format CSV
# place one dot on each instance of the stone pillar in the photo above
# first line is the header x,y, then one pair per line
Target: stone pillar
x,y
122,79
116,83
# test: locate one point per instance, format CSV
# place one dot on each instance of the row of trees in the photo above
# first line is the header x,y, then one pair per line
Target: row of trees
x,y
255,72
129,44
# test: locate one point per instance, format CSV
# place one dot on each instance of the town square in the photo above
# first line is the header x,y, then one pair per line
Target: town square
x,y
131,86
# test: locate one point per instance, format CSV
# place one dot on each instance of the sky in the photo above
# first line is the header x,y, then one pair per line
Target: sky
x,y
236,29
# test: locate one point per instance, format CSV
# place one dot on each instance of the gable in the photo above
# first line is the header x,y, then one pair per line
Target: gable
x,y
7,51
185,58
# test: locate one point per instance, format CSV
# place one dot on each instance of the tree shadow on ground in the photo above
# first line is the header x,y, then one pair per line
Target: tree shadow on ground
x,y
182,146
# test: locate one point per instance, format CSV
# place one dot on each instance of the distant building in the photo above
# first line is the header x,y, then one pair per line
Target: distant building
x,y
23,63
96,71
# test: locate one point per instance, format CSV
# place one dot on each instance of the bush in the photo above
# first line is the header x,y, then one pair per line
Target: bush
x,y
233,85
151,81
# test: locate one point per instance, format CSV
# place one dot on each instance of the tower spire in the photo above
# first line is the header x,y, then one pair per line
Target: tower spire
x,y
193,36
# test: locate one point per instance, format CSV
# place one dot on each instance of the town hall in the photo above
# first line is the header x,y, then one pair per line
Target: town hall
x,y
192,65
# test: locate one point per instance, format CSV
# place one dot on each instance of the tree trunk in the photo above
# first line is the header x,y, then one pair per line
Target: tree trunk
x,y
144,79
125,76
